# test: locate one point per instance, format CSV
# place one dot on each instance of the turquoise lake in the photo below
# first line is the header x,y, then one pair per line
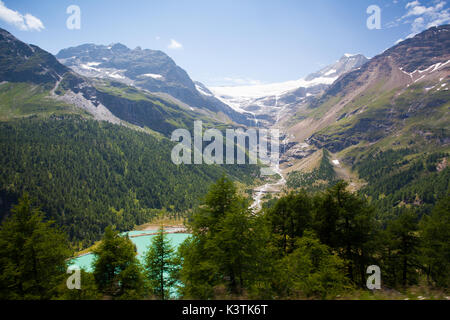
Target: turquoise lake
x,y
142,243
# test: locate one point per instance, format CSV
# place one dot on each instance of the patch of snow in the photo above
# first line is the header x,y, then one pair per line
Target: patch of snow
x,y
330,72
200,89
336,162
430,69
427,69
419,79
152,75
408,74
93,64
434,67
115,75
440,65
234,103
88,67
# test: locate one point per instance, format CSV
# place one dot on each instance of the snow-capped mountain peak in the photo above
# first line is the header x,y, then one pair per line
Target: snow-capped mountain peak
x,y
262,99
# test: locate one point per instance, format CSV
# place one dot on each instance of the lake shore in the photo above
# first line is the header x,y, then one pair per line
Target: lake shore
x,y
171,226
156,224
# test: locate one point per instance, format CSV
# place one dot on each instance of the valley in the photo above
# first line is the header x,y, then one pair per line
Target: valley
x,y
362,176
331,109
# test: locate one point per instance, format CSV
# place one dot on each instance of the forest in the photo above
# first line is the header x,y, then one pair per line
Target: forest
x,y
404,178
86,175
306,246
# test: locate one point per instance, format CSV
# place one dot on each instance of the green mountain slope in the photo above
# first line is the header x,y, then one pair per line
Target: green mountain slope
x,y
21,99
87,174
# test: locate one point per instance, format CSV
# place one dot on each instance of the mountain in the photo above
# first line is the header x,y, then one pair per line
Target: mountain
x,y
348,62
21,62
34,82
93,152
147,69
267,101
412,75
387,123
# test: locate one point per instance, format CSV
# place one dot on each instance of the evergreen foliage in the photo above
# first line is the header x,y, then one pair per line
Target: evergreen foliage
x,y
160,265
117,271
32,254
87,175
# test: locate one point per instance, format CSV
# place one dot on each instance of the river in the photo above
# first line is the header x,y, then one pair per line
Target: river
x,y
271,187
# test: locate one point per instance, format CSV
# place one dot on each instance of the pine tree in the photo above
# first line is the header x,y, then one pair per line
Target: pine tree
x,y
117,271
403,244
435,249
289,218
222,244
312,270
347,224
160,265
32,254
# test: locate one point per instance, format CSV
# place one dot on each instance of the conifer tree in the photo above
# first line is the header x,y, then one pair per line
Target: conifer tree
x,y
160,265
403,243
435,249
117,271
33,254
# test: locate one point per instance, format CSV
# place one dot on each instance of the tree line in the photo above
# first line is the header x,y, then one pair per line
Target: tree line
x,y
303,246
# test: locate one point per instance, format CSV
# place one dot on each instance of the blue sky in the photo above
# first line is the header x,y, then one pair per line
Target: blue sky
x,y
230,42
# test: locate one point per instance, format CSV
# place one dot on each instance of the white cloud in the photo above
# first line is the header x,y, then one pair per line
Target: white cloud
x,y
175,45
25,22
412,4
418,25
419,10
33,23
422,17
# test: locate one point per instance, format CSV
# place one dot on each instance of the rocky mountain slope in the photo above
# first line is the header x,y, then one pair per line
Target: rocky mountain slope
x,y
147,69
34,82
20,62
386,123
406,82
